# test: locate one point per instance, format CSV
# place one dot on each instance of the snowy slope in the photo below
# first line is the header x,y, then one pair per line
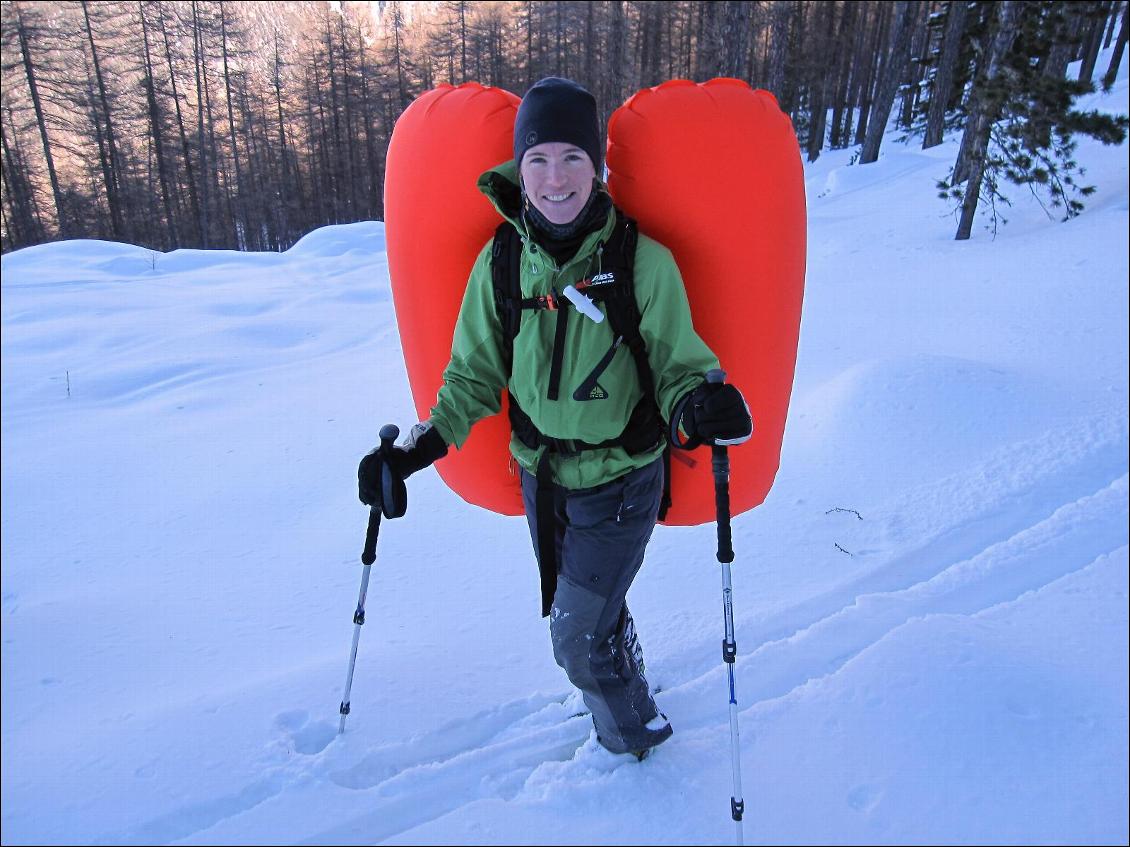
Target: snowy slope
x,y
931,605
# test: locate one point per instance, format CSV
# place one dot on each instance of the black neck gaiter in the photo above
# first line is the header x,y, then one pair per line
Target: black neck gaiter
x,y
562,241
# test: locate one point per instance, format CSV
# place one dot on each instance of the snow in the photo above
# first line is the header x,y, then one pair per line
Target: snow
x,y
931,605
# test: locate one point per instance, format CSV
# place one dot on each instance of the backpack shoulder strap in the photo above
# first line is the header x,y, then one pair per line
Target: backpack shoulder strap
x,y
624,317
506,277
619,259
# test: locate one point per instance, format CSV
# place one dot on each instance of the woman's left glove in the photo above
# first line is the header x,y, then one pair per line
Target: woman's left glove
x,y
716,413
423,446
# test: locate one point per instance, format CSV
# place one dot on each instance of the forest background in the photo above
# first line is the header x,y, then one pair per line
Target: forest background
x,y
246,125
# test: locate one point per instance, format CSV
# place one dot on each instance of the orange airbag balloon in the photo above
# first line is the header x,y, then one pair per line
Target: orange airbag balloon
x,y
436,222
713,172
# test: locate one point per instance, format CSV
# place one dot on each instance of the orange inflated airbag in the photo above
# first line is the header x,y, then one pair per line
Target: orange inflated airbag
x,y
713,172
710,170
436,221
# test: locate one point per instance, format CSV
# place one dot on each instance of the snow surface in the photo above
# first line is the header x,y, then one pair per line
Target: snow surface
x,y
931,605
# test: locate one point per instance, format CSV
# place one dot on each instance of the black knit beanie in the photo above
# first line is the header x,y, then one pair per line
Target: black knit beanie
x,y
556,109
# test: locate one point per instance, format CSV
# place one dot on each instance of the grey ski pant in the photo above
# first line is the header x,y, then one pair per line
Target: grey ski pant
x,y
601,534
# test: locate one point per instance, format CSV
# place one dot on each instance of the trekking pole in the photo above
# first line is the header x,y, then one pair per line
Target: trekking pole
x,y
389,434
721,466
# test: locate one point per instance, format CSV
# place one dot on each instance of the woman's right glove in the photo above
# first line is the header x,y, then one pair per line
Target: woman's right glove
x,y
423,446
716,413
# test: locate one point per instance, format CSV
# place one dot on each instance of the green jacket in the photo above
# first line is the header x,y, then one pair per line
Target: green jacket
x,y
477,374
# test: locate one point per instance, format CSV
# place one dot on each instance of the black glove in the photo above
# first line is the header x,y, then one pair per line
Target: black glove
x,y
423,446
714,412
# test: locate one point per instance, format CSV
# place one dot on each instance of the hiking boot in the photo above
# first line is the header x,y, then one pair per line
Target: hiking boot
x,y
656,731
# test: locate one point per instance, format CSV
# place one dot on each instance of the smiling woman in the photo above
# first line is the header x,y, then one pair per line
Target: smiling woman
x,y
558,180
588,421
557,148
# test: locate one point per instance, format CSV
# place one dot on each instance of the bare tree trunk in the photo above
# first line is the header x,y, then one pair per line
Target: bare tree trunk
x,y
103,226
41,123
313,170
157,132
1116,58
262,221
708,44
860,62
12,233
397,27
15,226
862,70
956,14
287,188
687,40
591,67
875,66
782,14
198,63
325,163
240,213
735,39
112,170
26,220
220,180
905,13
497,53
1094,40
1064,45
1112,22
530,43
190,179
819,83
984,112
336,154
911,89
651,31
352,166
463,40
560,66
617,44
845,44
375,176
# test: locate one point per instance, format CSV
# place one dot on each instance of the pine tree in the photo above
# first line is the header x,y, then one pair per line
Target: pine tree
x,y
1022,126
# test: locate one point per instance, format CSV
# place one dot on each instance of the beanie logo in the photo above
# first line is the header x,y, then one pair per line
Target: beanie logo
x,y
531,138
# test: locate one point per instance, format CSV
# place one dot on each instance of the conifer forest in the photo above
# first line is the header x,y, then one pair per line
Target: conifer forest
x,y
224,125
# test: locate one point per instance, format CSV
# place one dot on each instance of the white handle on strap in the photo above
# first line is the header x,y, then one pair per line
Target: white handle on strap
x,y
583,303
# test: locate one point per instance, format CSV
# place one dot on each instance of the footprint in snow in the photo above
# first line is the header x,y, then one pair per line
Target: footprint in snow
x,y
864,798
306,736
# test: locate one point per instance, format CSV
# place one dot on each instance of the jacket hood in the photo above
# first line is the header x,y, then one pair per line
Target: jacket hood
x,y
500,186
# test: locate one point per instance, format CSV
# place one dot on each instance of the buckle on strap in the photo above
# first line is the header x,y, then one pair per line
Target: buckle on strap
x,y
546,302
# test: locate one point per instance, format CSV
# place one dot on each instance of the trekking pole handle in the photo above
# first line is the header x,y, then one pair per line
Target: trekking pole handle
x,y
388,435
720,462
